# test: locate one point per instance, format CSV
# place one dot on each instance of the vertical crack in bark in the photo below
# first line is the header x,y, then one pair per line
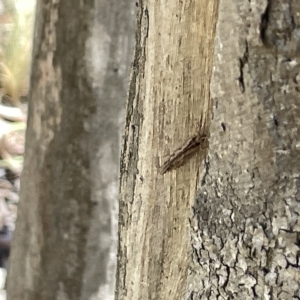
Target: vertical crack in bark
x,y
264,23
243,61
206,173
130,152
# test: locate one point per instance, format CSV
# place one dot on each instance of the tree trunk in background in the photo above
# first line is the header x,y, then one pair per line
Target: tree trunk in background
x,y
240,199
66,234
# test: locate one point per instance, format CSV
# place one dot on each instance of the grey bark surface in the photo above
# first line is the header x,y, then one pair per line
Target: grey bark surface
x,y
245,221
66,234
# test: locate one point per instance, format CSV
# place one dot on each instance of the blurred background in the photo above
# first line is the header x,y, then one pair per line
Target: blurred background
x,y
16,32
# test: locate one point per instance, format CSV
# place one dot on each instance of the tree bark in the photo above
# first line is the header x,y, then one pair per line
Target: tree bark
x,y
245,222
168,94
225,224
66,234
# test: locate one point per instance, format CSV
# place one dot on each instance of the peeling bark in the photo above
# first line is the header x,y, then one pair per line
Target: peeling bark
x,y
168,96
65,240
240,197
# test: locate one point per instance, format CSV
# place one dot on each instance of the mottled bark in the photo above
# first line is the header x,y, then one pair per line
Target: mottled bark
x,y
240,198
65,240
245,224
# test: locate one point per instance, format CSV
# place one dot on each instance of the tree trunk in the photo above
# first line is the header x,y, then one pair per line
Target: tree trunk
x,y
168,94
65,240
245,231
225,223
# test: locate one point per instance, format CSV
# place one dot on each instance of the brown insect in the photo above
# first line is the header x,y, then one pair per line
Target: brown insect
x,y
183,153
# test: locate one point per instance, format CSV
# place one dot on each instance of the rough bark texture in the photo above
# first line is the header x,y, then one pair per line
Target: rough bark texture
x,y
168,94
245,224
65,240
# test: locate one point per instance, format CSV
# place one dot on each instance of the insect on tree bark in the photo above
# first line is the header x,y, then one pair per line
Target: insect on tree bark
x,y
183,153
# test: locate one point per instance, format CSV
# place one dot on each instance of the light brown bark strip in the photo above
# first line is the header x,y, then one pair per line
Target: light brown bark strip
x,y
168,95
